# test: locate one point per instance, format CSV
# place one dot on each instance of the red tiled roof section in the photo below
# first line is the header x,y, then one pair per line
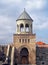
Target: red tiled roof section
x,y
41,44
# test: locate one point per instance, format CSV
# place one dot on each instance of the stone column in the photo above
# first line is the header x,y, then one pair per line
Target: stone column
x,y
24,28
19,29
12,56
7,52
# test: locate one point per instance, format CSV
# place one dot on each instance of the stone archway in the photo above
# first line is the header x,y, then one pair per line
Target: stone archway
x,y
24,56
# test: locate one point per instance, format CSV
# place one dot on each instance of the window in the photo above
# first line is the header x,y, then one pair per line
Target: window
x,y
25,40
27,27
21,27
28,40
20,40
42,63
17,27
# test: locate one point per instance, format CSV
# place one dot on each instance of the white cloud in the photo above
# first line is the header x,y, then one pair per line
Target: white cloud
x,y
40,22
41,26
7,29
35,4
7,25
11,1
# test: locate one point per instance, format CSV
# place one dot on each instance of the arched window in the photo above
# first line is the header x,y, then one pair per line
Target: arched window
x,y
28,40
25,40
27,27
24,52
17,27
20,40
21,27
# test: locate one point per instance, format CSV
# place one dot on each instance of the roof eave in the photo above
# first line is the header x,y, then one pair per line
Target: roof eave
x,y
25,19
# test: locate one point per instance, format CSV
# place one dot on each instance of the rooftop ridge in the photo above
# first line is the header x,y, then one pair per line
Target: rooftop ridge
x,y
24,16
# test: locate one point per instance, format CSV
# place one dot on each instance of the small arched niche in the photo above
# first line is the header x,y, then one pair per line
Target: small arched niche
x,y
21,27
27,27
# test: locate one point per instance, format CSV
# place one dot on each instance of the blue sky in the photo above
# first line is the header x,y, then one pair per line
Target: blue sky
x,y
11,9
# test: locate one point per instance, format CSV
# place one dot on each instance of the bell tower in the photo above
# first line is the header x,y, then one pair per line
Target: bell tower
x,y
24,40
24,24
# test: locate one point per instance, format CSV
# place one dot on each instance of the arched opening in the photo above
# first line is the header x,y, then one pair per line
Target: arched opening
x,y
24,56
21,27
17,27
27,27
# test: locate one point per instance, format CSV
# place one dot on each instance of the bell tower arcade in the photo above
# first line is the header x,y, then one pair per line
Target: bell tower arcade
x,y
24,24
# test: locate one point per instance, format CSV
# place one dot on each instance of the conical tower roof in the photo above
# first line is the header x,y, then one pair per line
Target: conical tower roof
x,y
24,16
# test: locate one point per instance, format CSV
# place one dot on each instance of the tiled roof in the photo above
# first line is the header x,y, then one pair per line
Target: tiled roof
x,y
41,44
24,15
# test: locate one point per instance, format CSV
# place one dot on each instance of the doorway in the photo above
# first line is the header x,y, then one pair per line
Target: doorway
x,y
24,54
